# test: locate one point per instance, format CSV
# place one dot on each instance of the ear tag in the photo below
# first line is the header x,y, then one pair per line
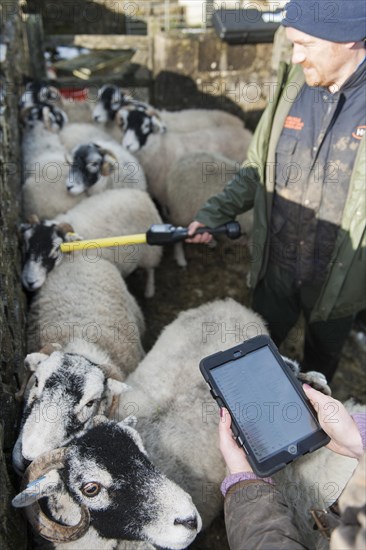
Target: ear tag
x,y
29,495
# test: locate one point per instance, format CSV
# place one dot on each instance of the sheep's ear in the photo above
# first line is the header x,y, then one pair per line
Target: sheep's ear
x,y
46,118
23,227
32,360
116,387
45,485
127,426
130,420
158,126
121,119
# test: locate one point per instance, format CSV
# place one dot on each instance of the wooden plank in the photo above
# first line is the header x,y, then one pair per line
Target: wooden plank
x,y
35,38
99,41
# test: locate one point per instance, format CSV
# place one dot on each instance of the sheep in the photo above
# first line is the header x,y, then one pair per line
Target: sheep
x,y
74,134
88,302
116,212
191,180
92,390
112,99
105,482
177,416
42,124
37,92
231,142
103,164
137,125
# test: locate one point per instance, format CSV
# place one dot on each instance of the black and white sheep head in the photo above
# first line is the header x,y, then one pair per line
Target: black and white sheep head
x,y
41,249
64,393
39,92
110,99
137,125
115,491
52,118
89,164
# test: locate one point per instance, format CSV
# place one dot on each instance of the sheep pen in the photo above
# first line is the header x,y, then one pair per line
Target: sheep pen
x,y
220,273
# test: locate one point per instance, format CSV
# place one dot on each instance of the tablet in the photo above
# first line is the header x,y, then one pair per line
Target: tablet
x,y
272,419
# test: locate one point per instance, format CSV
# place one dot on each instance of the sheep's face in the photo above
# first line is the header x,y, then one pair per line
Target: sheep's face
x,y
137,125
109,100
90,164
65,393
107,471
39,92
41,251
52,118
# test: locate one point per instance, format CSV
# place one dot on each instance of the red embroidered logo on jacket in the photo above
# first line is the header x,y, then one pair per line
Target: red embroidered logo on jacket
x,y
293,123
359,132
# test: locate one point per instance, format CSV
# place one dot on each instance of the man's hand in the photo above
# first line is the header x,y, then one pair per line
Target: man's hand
x,y
205,238
337,423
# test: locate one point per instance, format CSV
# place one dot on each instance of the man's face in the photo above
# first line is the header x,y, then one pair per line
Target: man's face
x,y
322,61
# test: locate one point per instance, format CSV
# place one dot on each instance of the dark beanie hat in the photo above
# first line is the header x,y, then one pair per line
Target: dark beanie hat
x,y
333,20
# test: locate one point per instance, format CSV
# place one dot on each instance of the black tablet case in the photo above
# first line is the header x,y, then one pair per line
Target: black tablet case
x,y
246,26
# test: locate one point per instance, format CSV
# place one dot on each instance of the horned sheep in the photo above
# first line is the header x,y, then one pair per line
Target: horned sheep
x,y
102,487
178,419
37,92
103,165
57,184
41,126
114,213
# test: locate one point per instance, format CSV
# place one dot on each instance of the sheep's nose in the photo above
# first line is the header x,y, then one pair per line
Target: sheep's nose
x,y
96,118
189,523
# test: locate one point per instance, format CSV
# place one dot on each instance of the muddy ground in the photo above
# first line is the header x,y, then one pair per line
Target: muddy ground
x,y
218,273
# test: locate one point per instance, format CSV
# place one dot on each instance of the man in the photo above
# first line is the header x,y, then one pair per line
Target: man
x,y
305,177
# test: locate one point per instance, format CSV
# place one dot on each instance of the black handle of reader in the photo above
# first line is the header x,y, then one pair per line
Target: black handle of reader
x,y
160,234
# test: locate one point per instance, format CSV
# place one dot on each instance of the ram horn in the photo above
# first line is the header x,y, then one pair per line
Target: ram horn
x,y
65,227
20,393
110,371
48,349
68,159
44,526
106,152
33,219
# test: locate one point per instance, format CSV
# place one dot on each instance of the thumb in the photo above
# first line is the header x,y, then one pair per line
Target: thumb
x,y
225,424
317,398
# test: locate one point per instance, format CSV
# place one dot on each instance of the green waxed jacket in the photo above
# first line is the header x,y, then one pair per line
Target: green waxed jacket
x,y
344,290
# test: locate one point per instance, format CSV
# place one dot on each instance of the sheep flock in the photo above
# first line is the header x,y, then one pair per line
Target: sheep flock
x,y
130,459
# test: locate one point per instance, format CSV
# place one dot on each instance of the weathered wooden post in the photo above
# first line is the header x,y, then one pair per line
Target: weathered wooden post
x,y
12,303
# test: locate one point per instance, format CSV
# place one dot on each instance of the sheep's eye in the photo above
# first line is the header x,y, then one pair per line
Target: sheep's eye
x,y
35,382
90,403
91,489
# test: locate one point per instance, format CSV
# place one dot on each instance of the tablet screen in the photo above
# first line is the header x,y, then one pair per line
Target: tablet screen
x,y
266,406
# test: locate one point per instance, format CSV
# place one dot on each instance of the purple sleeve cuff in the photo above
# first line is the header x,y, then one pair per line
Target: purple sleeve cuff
x,y
241,476
360,419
